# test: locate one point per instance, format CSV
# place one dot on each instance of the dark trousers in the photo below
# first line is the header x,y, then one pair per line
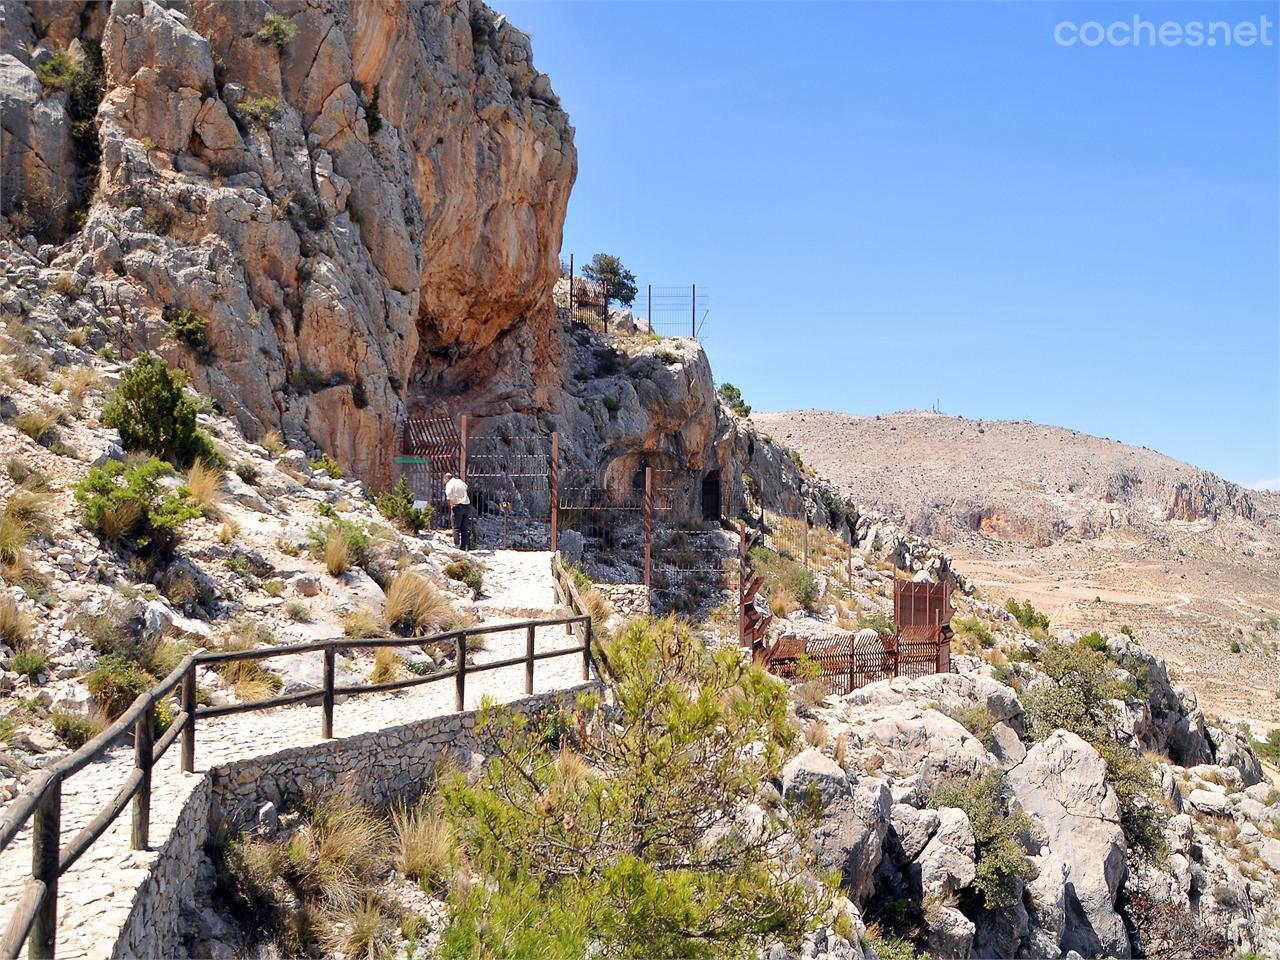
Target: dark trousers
x,y
461,516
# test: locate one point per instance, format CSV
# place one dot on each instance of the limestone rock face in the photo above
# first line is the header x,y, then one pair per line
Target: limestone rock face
x,y
1062,782
385,187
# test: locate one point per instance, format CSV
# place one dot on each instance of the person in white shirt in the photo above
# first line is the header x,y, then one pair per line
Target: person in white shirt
x,y
455,492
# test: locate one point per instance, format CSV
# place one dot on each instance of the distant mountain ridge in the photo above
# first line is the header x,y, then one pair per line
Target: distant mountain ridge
x,y
1012,480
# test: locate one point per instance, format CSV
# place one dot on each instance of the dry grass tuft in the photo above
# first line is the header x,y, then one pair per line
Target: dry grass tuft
x,y
273,443
342,843
361,930
250,679
815,734
337,552
415,604
204,486
119,520
228,532
15,626
75,382
424,844
363,623
386,665
31,509
38,424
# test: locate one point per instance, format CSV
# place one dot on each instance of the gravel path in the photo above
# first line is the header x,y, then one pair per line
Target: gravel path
x,y
97,894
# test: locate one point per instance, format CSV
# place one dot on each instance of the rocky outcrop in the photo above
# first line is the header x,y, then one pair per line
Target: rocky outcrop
x,y
372,191
1063,783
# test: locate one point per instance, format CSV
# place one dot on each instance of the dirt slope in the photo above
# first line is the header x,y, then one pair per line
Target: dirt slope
x,y
1097,533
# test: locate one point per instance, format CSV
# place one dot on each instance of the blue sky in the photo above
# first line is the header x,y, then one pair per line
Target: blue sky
x,y
897,204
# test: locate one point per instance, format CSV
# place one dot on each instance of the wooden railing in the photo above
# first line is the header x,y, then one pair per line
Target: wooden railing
x,y
35,916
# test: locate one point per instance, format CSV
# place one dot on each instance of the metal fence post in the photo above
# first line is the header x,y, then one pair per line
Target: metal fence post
x,y
528,660
189,731
460,672
46,829
586,653
144,734
573,303
805,535
555,490
462,453
648,527
693,313
326,718
849,560
651,308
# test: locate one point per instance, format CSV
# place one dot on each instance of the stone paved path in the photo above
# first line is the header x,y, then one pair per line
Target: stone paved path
x,y
97,893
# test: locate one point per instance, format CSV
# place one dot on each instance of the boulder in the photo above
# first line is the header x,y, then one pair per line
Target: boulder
x,y
946,865
950,933
912,828
1269,852
1230,749
813,777
1063,783
1211,802
849,837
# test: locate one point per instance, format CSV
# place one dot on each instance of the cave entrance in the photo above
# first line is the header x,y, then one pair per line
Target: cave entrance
x,y
711,497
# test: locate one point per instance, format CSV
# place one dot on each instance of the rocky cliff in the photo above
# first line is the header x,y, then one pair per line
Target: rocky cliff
x,y
327,202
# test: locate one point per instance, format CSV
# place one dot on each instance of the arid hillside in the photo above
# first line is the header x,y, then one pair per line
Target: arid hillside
x,y
1094,532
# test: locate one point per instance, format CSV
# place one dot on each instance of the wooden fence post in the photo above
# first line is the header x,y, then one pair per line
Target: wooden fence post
x,y
189,731
46,829
460,672
144,738
586,653
326,718
648,527
555,490
528,661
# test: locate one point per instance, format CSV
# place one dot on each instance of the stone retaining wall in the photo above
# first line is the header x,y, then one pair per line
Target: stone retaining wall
x,y
629,600
376,766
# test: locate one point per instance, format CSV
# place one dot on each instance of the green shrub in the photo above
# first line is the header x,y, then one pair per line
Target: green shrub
x,y
1094,641
75,730
373,122
1026,615
350,536
189,327
1142,812
1235,646
278,30
326,464
260,112
116,682
975,628
589,833
732,397
978,720
612,404
397,506
152,412
1001,864
465,571
246,471
1084,680
125,505
29,662
60,72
